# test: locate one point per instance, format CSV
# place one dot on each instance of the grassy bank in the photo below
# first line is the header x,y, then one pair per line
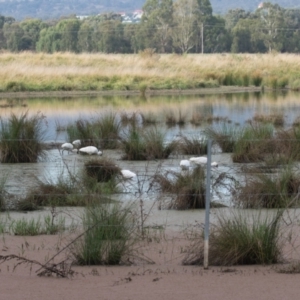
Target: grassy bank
x,y
106,72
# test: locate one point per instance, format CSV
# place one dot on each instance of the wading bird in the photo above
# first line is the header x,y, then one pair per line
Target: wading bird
x,y
67,147
202,160
90,150
184,164
126,174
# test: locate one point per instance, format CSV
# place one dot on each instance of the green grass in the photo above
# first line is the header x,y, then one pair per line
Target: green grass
x,y
108,235
240,239
193,145
21,138
263,190
187,189
146,144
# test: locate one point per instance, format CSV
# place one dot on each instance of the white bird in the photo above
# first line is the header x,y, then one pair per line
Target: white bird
x,y
67,147
76,143
90,150
184,164
126,174
202,160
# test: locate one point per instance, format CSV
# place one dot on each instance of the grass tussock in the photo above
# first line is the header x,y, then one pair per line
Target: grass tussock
x,y
188,188
264,190
275,119
146,144
224,135
240,240
194,145
108,235
254,143
102,169
21,138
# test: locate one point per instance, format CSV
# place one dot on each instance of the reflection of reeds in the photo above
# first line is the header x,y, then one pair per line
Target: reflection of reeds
x,y
275,119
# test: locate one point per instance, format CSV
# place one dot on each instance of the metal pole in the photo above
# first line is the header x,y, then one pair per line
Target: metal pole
x,y
207,206
202,38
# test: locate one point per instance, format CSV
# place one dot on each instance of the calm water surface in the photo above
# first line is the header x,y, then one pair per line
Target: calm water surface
x,y
236,108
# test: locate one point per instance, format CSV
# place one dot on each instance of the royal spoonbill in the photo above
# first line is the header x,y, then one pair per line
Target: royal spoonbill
x,y
202,160
67,147
76,143
126,174
90,150
184,164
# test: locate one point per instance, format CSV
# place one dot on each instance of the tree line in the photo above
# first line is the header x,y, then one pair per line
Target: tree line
x,y
184,26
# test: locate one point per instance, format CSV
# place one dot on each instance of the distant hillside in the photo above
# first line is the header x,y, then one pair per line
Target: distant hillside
x,y
52,9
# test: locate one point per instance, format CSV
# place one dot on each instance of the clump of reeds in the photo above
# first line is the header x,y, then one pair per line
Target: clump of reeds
x,y
255,142
288,144
173,119
146,144
264,190
109,128
21,138
50,194
129,118
149,118
102,169
275,119
84,131
188,188
224,136
108,235
240,240
194,145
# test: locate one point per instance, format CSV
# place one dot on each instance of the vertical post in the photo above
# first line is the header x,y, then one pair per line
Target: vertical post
x,y
202,38
207,206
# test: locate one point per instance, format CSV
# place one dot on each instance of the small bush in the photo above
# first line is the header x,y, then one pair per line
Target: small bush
x,y
188,188
240,240
108,235
254,143
102,169
146,145
263,190
21,138
195,145
224,136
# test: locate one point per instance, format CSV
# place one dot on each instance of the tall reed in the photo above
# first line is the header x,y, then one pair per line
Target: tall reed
x,y
21,138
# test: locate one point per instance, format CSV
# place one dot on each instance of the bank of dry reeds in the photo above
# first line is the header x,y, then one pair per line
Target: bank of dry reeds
x,y
67,71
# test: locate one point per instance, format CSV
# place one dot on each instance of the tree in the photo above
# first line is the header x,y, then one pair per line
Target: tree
x,y
271,18
157,21
184,33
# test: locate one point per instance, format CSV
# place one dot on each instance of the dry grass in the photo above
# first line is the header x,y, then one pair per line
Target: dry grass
x,y
68,71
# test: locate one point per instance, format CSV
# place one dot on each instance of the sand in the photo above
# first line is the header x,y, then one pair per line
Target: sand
x,y
165,278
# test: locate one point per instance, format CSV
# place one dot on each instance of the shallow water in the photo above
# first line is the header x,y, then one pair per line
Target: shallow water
x,y
236,108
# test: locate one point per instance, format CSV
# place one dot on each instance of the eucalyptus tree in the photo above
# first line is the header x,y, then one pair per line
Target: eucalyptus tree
x,y
157,22
185,32
13,34
31,29
272,21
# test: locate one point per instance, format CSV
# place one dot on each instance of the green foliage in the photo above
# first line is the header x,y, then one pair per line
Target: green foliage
x,y
188,188
146,144
254,142
194,145
263,190
21,138
108,235
240,239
